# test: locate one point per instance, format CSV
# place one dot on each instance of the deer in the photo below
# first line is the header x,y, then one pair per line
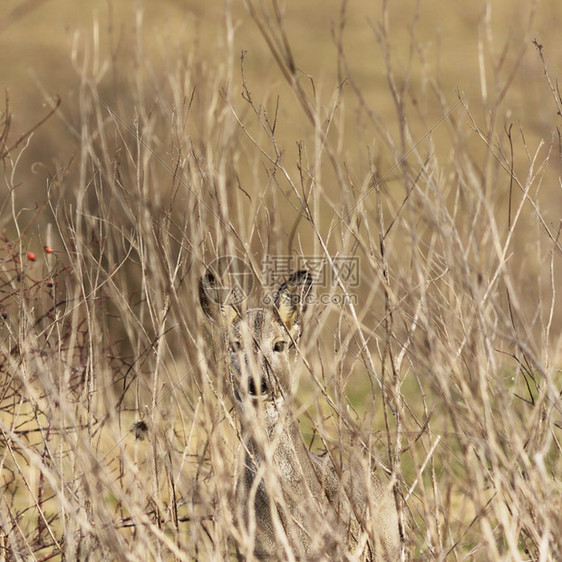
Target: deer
x,y
291,504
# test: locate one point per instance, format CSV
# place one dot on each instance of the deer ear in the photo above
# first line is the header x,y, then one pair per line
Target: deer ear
x,y
211,297
290,300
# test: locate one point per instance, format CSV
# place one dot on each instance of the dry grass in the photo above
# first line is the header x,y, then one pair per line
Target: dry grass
x,y
447,371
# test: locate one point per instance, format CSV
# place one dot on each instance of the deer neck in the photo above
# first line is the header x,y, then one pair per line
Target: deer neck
x,y
277,441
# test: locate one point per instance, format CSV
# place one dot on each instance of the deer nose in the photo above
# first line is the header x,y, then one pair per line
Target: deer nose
x,y
252,386
260,380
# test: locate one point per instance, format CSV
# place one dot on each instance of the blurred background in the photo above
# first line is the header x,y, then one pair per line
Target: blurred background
x,y
441,51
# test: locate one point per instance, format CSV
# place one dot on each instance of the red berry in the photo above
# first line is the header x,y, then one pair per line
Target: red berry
x,y
30,256
48,249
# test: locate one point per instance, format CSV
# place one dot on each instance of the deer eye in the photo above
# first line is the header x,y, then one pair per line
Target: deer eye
x,y
235,346
280,346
